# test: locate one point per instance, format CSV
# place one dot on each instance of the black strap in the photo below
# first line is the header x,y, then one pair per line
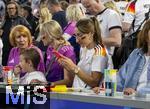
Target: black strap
x,y
66,27
52,61
146,18
134,18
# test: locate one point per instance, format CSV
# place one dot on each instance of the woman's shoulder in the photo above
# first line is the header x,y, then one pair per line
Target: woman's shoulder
x,y
137,51
66,48
15,50
36,73
100,50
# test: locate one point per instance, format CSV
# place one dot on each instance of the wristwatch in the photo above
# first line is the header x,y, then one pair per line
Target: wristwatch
x,y
76,70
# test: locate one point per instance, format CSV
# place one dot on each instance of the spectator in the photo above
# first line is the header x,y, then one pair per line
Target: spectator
x,y
110,24
64,5
73,14
93,57
51,35
45,16
133,74
2,16
135,11
58,13
29,60
2,9
111,4
133,21
35,5
11,19
121,5
21,39
27,13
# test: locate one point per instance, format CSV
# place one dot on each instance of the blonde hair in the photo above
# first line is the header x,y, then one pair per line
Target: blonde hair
x,y
45,15
53,30
74,12
17,31
64,5
111,5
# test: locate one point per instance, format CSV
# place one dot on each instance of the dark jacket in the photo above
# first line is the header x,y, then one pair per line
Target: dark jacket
x,y
9,23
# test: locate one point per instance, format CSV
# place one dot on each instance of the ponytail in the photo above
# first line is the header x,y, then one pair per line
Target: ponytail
x,y
97,33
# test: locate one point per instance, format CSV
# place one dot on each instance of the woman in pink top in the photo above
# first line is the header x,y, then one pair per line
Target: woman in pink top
x,y
73,14
20,38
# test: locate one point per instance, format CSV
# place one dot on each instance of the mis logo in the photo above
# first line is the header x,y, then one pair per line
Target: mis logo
x,y
27,96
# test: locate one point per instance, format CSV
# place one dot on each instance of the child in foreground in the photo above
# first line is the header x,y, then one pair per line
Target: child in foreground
x,y
29,60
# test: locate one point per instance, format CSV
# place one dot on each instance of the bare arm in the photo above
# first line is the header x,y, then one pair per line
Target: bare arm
x,y
126,27
91,80
114,39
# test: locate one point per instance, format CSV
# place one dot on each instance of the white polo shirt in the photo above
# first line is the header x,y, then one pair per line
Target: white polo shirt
x,y
28,77
136,11
89,62
109,19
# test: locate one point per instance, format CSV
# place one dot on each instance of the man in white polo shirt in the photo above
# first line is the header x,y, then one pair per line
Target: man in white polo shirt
x,y
110,23
135,11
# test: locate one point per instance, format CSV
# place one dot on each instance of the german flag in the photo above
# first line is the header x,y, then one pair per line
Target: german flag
x,y
131,8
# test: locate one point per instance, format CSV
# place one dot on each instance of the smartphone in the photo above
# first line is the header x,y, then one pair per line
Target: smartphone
x,y
57,54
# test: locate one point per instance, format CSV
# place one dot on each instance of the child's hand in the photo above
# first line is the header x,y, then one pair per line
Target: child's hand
x,y
17,70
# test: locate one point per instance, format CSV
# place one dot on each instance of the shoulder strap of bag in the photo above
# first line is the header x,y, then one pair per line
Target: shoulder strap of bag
x,y
146,18
134,18
51,61
66,27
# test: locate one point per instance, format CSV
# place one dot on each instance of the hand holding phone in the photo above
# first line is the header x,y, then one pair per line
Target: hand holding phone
x,y
57,54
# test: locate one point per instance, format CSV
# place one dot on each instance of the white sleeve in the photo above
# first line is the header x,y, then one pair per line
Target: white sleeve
x,y
99,63
114,20
37,76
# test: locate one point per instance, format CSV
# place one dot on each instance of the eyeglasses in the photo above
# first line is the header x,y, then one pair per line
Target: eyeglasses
x,y
11,8
80,36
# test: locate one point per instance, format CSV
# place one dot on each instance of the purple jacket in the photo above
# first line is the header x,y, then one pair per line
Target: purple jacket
x,y
56,71
13,59
70,28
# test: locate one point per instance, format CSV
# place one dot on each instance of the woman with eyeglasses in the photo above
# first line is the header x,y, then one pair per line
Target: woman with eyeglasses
x,y
93,55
